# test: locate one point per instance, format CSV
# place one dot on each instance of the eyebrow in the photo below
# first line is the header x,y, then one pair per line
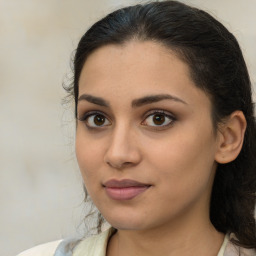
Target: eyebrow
x,y
135,103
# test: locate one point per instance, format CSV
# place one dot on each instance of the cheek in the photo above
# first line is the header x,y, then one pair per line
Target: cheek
x,y
185,160
89,156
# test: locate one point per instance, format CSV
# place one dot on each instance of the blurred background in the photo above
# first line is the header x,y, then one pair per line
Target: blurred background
x,y
41,196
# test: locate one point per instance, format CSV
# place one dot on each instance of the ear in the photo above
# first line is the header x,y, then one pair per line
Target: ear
x,y
230,138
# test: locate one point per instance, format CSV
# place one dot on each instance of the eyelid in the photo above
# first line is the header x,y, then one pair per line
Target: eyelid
x,y
163,112
90,113
87,115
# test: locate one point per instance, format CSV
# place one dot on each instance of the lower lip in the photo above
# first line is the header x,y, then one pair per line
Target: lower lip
x,y
125,193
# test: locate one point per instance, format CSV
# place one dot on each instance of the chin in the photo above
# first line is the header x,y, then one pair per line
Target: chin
x,y
127,226
127,222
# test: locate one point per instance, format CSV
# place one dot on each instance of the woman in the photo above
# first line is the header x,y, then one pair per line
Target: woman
x,y
165,133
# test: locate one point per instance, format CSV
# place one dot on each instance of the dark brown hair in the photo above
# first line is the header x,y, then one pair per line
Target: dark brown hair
x,y
216,66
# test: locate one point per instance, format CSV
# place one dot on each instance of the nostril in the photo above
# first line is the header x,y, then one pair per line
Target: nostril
x,y
119,165
127,163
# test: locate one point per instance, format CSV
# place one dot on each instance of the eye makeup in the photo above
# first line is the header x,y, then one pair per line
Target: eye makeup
x,y
157,119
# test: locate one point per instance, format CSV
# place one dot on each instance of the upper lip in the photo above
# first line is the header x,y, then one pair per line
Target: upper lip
x,y
125,183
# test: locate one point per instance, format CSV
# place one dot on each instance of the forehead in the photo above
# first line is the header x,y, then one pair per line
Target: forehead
x,y
131,58
136,69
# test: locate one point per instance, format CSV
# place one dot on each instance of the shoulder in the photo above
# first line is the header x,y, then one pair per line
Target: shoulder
x,y
231,249
234,250
47,249
94,245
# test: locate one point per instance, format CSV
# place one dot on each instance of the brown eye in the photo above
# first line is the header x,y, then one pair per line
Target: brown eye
x,y
160,119
99,120
96,120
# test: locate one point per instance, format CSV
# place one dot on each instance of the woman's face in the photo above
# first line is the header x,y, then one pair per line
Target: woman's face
x,y
145,143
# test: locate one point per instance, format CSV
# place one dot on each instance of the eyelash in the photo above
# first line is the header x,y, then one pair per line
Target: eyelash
x,y
164,113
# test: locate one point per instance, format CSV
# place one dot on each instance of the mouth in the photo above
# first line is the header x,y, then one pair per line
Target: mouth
x,y
124,189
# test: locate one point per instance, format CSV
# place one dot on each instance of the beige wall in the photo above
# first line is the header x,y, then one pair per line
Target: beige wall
x,y
239,17
40,187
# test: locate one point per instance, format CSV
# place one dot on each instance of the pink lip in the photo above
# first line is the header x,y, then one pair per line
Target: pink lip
x,y
124,189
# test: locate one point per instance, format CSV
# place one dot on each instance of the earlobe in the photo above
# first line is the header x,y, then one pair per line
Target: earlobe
x,y
230,138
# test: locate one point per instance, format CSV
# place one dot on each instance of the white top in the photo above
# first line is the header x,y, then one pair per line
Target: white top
x,y
97,245
47,249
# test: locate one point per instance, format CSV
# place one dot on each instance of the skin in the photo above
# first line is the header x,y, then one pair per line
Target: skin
x,y
178,160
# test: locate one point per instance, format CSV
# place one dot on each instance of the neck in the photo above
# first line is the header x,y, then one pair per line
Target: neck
x,y
188,238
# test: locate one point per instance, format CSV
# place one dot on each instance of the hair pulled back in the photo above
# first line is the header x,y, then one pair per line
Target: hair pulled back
x,y
217,67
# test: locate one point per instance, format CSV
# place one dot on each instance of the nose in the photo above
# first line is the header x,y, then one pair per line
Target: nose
x,y
123,150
